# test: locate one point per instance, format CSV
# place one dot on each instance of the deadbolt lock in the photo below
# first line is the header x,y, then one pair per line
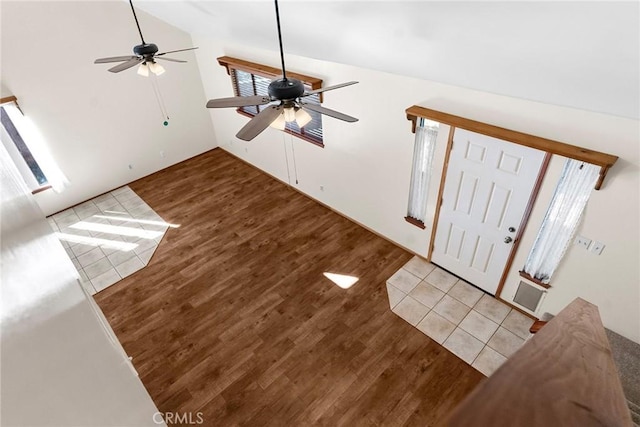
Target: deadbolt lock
x,y
512,230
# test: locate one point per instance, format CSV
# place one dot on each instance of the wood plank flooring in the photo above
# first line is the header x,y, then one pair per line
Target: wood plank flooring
x,y
234,318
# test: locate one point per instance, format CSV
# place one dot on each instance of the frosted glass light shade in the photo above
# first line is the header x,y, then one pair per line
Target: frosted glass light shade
x,y
143,70
279,122
302,117
289,114
156,69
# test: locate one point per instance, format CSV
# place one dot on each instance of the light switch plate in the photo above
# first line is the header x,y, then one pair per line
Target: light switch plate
x,y
596,247
582,241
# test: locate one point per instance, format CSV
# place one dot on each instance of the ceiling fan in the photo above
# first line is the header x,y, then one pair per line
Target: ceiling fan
x,y
145,55
286,99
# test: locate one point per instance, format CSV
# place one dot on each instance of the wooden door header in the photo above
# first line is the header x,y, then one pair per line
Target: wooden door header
x,y
605,161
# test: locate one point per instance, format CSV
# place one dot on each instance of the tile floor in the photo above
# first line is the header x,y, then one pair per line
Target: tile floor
x,y
473,325
110,237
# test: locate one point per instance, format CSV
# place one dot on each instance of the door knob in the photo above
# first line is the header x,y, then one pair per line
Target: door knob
x,y
508,239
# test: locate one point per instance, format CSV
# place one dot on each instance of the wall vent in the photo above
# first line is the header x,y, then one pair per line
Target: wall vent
x,y
528,296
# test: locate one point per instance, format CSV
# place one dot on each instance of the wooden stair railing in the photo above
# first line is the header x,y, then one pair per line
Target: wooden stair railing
x,y
564,375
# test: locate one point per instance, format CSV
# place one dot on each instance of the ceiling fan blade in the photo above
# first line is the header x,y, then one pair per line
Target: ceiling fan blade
x,y
113,59
125,65
259,123
324,89
174,51
323,110
172,60
238,101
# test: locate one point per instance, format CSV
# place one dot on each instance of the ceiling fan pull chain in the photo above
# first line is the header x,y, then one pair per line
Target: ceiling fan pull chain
x,y
159,99
286,157
293,152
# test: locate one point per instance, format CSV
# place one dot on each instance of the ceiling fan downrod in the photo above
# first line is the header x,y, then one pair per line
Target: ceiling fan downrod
x,y
137,23
284,72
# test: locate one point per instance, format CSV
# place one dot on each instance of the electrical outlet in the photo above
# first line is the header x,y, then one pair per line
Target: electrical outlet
x,y
597,247
130,166
582,241
162,153
322,188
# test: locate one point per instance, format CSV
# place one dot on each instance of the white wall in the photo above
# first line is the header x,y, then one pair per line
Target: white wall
x,y
61,363
364,168
97,123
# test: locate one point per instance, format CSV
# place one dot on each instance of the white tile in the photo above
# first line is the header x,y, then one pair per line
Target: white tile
x,y
395,295
404,280
129,267
70,252
125,189
118,257
155,227
67,220
490,307
145,256
114,211
463,345
103,198
427,294
451,309
75,232
488,361
105,280
97,268
62,214
76,264
465,293
411,310
83,275
108,204
419,267
88,287
81,248
441,279
505,342
518,323
86,211
144,245
478,326
436,327
90,257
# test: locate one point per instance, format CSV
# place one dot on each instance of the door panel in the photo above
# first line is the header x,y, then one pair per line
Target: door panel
x,y
486,191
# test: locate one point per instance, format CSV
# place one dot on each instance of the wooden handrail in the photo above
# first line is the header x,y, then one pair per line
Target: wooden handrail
x,y
10,98
604,160
564,375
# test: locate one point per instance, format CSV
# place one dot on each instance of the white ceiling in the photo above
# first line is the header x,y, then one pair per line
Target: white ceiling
x,y
584,55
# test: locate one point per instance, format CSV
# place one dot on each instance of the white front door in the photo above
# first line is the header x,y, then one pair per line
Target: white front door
x,y
486,192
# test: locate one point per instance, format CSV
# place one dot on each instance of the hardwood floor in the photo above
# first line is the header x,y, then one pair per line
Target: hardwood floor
x,y
234,318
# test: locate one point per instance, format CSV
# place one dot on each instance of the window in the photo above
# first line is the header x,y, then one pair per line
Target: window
x,y
27,149
426,135
249,79
561,220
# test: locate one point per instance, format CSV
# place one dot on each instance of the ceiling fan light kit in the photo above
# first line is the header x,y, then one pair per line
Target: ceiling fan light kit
x,y
145,54
285,102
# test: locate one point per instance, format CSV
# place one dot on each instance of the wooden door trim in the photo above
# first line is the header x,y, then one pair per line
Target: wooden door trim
x,y
605,161
525,220
443,178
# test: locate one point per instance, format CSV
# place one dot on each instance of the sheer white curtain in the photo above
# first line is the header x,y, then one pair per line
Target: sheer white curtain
x,y
37,146
425,142
562,218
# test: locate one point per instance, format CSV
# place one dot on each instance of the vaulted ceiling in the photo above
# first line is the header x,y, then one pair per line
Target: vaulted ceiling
x,y
584,55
